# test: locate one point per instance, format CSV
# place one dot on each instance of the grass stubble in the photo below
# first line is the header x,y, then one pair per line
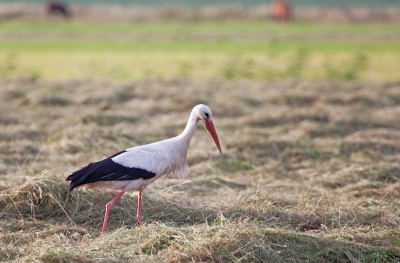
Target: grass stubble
x,y
309,172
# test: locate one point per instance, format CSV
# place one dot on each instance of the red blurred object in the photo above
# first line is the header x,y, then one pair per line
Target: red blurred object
x,y
281,11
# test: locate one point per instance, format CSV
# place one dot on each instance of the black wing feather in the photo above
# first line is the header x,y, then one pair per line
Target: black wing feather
x,y
106,170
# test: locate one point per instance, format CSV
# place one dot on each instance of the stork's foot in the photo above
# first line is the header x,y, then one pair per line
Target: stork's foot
x,y
141,220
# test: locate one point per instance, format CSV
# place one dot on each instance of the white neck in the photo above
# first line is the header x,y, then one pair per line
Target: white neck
x,y
190,128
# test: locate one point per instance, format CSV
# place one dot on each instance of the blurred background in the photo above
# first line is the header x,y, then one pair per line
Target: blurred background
x,y
257,40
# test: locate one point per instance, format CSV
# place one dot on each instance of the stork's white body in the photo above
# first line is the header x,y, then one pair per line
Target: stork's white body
x,y
133,169
162,158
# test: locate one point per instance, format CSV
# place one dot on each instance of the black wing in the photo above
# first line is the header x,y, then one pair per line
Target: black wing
x,y
106,170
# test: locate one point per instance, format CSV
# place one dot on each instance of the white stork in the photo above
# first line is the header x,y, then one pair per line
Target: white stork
x,y
135,168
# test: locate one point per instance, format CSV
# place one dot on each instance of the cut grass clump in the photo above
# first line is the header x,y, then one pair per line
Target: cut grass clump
x,y
107,120
53,101
371,141
46,197
296,100
224,242
233,166
267,119
40,197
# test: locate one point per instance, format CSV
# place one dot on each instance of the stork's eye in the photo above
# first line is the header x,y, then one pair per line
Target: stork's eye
x,y
206,115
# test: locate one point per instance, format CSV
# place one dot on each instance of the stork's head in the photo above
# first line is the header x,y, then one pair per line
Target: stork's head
x,y
203,113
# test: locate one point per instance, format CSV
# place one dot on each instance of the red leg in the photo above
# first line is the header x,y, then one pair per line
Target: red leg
x,y
109,205
139,209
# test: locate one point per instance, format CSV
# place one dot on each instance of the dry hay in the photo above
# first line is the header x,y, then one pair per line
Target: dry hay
x,y
305,164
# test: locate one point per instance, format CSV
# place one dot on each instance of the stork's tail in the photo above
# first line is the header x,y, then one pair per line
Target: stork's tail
x,y
78,177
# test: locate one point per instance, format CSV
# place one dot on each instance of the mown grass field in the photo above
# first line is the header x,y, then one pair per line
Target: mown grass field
x,y
310,164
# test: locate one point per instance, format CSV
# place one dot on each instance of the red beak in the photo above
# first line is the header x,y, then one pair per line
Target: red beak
x,y
213,132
